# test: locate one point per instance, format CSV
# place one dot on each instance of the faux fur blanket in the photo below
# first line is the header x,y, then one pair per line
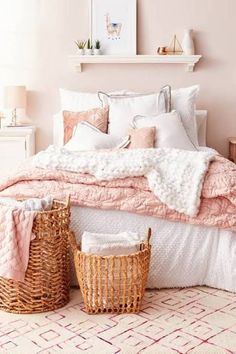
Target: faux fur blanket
x,y
174,176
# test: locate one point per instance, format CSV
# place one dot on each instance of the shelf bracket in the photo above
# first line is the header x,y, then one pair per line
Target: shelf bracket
x,y
190,67
79,68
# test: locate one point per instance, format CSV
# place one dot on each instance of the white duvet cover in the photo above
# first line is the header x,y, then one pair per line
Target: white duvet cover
x,y
182,254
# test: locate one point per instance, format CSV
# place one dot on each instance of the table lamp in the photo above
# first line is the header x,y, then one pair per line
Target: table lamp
x,y
14,98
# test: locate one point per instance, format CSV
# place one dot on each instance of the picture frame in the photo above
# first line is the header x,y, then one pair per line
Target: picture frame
x,y
114,24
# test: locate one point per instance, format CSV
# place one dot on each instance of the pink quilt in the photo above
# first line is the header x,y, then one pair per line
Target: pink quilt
x,y
218,200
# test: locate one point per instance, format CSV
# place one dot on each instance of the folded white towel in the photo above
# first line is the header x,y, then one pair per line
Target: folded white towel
x,y
123,243
32,204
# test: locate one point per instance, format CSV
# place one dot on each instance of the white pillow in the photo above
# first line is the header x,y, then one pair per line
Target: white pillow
x,y
78,101
87,137
123,109
183,100
170,132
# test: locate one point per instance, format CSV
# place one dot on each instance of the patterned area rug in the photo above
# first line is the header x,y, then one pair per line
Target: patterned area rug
x,y
192,320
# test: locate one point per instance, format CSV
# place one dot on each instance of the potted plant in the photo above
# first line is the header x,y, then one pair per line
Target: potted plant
x,y
81,45
97,48
89,47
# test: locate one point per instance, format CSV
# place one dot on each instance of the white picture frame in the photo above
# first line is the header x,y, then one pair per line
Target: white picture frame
x,y
114,24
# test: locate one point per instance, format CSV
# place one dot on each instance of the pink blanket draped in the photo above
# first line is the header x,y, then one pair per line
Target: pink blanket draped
x,y
15,237
218,199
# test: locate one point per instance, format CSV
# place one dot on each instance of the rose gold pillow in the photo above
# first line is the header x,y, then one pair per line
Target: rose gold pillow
x,y
142,138
96,116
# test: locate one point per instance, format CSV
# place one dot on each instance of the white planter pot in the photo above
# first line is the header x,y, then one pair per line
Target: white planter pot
x,y
88,52
187,43
80,51
97,51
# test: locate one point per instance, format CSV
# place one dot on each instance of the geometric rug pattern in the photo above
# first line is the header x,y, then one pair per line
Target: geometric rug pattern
x,y
192,320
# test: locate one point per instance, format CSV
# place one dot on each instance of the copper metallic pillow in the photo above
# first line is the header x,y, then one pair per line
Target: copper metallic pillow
x,y
142,138
97,117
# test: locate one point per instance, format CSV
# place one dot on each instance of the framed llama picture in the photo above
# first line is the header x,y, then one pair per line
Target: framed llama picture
x,y
113,23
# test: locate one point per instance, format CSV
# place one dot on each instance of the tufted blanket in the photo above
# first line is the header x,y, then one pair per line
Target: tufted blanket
x,y
174,176
15,237
217,204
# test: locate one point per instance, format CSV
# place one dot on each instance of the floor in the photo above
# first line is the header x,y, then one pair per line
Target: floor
x,y
193,320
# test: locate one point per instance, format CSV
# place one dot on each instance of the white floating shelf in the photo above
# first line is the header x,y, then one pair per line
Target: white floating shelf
x,y
189,60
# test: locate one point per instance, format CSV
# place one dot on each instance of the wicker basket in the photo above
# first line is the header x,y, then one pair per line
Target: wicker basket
x,y
46,285
113,284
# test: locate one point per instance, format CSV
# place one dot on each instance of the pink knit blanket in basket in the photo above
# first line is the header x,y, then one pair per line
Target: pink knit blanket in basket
x,y
15,236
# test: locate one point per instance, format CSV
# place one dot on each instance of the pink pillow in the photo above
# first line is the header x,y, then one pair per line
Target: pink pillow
x,y
96,116
142,138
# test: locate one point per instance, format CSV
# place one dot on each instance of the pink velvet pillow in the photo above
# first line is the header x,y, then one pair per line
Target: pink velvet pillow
x,y
96,116
142,138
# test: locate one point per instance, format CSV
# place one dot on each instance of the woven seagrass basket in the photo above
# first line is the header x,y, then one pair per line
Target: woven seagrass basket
x,y
112,284
46,285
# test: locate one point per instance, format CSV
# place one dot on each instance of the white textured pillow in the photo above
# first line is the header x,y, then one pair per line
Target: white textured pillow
x,y
170,132
87,137
123,109
78,101
183,100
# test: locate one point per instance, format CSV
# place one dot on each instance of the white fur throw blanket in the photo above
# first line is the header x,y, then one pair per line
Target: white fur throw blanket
x,y
174,176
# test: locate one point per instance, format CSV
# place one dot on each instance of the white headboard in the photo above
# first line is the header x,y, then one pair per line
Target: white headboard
x,y
201,118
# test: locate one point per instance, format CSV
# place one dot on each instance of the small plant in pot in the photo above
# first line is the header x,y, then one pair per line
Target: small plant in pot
x,y
80,45
97,48
89,48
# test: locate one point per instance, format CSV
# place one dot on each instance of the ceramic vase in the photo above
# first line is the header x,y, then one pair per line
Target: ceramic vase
x,y
97,51
88,52
187,43
80,51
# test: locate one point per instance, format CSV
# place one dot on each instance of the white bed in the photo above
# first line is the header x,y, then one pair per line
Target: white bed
x,y
182,254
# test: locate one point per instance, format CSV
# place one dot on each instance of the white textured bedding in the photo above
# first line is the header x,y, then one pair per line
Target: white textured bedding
x,y
182,254
174,176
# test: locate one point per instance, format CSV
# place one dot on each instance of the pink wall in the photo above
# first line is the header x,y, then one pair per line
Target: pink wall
x,y
37,35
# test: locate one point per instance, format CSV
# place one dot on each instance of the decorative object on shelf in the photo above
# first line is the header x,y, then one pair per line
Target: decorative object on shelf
x,y
162,50
175,47
15,100
187,43
97,48
81,45
232,149
89,47
114,22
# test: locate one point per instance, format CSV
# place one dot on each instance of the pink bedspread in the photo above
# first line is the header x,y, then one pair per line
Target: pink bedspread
x,y
218,201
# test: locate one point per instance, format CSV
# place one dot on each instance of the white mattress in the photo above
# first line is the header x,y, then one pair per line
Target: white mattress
x,y
182,254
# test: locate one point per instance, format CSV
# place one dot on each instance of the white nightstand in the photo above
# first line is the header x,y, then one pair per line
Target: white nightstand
x,y
16,145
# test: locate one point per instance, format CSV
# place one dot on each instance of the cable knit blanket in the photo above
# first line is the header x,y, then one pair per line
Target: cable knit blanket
x,y
15,236
133,194
174,176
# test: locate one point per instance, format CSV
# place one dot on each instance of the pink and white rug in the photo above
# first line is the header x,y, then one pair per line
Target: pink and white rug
x,y
194,320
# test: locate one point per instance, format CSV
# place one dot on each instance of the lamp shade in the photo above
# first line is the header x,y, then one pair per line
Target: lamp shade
x,y
14,97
